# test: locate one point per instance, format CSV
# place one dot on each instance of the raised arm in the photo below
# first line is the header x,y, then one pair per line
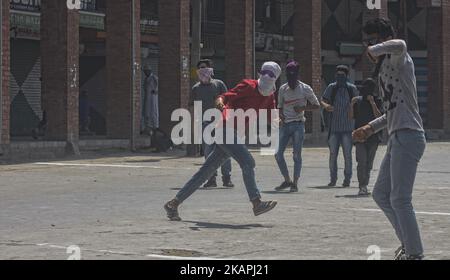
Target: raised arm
x,y
395,47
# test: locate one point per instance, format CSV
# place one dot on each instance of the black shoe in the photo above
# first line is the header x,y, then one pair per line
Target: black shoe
x,y
332,184
294,189
399,253
411,257
227,182
363,191
172,212
210,184
284,185
264,207
346,184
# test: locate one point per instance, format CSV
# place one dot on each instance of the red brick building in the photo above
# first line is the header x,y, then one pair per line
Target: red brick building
x,y
50,53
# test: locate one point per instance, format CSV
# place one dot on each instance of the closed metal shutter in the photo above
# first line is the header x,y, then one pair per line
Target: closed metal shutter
x,y
25,86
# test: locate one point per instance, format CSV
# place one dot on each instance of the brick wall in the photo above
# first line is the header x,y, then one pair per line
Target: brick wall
x,y
238,41
174,65
122,120
5,74
307,50
60,69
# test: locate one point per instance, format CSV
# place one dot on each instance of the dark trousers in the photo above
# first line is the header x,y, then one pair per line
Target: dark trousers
x,y
365,155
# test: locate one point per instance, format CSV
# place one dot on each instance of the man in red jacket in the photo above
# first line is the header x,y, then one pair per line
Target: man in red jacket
x,y
248,94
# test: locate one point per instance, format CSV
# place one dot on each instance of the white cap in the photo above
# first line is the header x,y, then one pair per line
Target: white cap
x,y
273,67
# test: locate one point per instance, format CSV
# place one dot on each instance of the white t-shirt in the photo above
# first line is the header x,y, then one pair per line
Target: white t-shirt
x,y
289,98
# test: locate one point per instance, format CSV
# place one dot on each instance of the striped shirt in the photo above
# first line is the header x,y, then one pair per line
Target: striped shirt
x,y
340,122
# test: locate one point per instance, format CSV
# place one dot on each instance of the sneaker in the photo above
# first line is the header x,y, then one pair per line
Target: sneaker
x,y
284,185
332,184
227,182
172,212
411,257
264,207
293,189
363,191
346,184
210,184
399,253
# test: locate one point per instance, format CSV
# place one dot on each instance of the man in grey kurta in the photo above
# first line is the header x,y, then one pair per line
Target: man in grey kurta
x,y
394,187
150,101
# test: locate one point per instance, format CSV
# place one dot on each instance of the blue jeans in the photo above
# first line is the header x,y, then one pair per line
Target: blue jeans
x,y
394,187
296,132
207,150
336,140
220,154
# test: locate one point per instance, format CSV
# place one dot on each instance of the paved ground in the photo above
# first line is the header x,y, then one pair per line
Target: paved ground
x,y
111,207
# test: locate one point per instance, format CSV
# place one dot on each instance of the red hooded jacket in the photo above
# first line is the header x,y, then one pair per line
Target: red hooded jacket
x,y
246,96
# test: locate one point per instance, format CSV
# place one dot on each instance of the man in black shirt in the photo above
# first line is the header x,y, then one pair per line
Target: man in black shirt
x,y
364,109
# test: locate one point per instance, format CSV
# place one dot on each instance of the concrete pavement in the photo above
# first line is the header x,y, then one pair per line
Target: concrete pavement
x,y
110,206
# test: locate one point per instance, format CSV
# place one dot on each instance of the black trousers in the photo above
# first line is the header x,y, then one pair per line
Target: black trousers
x,y
365,155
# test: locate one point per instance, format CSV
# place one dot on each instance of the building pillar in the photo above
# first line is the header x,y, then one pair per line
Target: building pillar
x,y
365,65
174,64
123,59
307,51
435,47
446,64
239,51
4,76
60,71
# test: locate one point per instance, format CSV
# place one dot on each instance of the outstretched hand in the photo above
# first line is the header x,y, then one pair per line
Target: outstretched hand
x,y
362,134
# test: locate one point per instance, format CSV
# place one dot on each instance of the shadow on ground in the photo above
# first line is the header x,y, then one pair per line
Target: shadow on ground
x,y
206,225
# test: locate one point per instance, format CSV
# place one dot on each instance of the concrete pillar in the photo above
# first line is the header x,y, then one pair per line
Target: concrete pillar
x,y
239,52
435,114
123,59
174,64
307,51
60,71
446,64
4,76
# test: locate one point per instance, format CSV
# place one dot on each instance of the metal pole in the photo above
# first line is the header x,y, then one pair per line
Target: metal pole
x,y
195,57
133,83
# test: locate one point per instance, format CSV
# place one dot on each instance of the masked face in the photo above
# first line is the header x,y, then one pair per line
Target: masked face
x,y
292,78
205,75
266,84
147,72
341,80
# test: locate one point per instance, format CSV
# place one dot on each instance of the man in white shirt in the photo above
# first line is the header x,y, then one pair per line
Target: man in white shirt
x,y
294,98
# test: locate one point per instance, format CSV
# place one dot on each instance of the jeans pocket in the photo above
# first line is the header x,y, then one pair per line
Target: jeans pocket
x,y
412,142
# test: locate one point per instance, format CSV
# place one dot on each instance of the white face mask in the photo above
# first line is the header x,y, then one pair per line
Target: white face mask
x,y
266,85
